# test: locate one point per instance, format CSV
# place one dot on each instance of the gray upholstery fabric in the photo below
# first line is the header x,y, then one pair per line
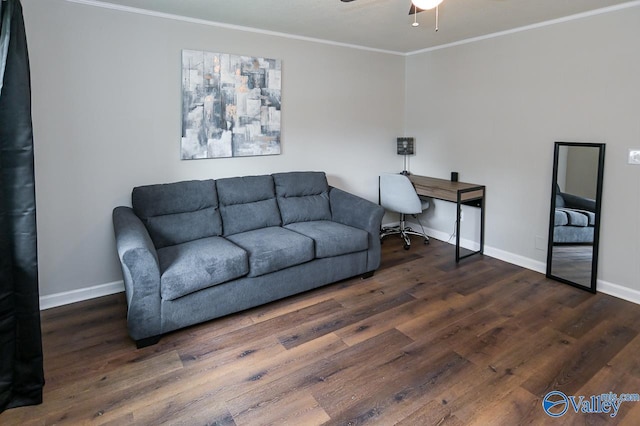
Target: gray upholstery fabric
x,y
331,238
141,274
578,202
178,212
186,280
170,198
199,264
573,226
303,209
575,217
247,292
302,196
573,234
247,203
183,227
249,216
274,248
299,184
560,218
352,210
591,218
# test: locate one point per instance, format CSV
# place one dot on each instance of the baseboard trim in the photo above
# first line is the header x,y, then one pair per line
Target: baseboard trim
x,y
605,287
505,256
525,262
615,290
619,291
73,296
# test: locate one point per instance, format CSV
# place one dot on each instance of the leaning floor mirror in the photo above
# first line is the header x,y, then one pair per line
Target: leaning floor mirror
x,y
574,220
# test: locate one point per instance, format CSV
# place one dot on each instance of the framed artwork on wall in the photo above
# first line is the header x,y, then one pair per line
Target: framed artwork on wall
x,y
230,105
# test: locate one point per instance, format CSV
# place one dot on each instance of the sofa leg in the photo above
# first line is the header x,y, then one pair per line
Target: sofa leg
x,y
149,341
367,275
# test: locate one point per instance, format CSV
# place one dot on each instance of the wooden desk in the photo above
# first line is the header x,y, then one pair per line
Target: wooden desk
x,y
460,193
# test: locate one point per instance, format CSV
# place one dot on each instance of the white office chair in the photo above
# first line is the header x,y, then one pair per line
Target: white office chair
x,y
397,194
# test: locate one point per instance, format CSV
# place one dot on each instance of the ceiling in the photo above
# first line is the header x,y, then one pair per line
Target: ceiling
x,y
375,24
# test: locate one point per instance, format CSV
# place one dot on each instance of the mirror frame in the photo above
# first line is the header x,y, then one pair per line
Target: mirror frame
x,y
596,229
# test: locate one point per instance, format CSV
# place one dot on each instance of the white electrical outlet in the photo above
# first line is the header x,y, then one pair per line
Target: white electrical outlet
x,y
634,156
461,216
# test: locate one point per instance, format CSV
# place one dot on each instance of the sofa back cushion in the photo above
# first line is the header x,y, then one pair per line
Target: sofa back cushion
x,y
178,212
247,203
302,196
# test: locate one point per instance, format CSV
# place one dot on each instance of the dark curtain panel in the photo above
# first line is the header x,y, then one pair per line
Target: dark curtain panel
x,y
21,370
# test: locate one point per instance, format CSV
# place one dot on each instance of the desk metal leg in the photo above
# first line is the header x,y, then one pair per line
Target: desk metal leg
x,y
482,221
458,214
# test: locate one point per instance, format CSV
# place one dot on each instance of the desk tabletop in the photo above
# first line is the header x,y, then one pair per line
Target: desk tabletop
x,y
445,189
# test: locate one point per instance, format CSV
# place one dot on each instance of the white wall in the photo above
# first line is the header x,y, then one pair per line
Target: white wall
x,y
106,111
492,110
106,115
582,171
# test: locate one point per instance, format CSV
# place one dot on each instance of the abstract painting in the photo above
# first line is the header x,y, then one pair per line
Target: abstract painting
x,y
230,105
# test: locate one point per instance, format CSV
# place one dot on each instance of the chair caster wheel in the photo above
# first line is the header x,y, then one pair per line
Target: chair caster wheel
x,y
407,246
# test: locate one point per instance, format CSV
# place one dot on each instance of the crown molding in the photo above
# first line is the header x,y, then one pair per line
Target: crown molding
x,y
105,5
569,18
128,9
169,16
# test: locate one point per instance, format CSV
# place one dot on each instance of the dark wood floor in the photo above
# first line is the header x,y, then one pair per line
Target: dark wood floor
x,y
573,262
423,342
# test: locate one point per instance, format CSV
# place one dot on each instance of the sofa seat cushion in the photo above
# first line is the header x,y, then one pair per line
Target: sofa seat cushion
x,y
273,248
561,218
332,238
574,217
199,264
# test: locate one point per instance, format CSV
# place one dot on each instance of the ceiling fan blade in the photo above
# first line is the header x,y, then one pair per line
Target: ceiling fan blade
x,y
413,9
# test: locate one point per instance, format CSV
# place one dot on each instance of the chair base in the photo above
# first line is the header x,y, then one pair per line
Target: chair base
x,y
404,231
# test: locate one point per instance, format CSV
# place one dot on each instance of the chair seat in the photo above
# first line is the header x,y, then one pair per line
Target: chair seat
x,y
397,194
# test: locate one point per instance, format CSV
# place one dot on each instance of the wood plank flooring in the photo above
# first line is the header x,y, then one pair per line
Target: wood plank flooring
x,y
573,262
424,341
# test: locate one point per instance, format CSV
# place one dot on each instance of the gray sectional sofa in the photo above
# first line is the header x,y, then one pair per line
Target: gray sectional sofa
x,y
197,250
574,220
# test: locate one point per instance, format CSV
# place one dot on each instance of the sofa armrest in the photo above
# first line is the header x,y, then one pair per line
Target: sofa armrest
x,y
355,211
141,274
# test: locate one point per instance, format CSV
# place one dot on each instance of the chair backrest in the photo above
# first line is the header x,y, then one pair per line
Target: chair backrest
x,y
398,194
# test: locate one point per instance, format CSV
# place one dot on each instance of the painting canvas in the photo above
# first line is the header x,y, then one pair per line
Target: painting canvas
x,y
230,105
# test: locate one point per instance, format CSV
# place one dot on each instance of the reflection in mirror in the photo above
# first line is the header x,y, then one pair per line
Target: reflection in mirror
x,y
574,223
